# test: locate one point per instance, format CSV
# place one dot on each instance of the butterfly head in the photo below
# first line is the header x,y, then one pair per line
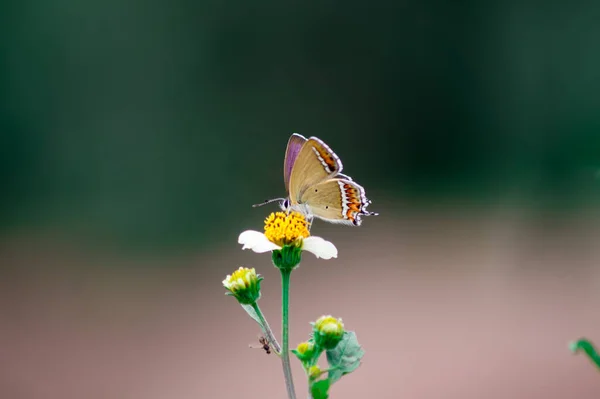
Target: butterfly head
x,y
285,204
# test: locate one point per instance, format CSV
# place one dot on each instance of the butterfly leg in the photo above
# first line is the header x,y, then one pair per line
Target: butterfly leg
x,y
309,221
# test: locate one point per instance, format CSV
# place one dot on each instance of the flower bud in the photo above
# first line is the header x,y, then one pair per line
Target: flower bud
x,y
314,372
328,332
244,285
304,351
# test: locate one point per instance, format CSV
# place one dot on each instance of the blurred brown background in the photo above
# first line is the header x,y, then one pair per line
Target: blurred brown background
x,y
447,305
134,137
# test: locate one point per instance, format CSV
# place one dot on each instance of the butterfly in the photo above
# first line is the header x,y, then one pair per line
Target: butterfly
x,y
315,186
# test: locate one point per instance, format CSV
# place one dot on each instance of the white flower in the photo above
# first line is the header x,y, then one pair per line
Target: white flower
x,y
258,242
289,229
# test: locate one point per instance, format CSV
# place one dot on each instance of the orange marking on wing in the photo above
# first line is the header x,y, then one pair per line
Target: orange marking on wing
x,y
327,158
353,201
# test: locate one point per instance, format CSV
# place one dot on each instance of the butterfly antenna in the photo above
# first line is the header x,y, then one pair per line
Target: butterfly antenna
x,y
268,202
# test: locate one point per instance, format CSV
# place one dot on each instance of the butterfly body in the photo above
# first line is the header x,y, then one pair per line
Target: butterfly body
x,y
316,187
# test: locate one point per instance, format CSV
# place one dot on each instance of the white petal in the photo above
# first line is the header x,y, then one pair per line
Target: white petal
x,y
320,247
256,241
240,283
226,282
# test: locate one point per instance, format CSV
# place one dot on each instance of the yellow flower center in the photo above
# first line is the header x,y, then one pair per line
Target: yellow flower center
x,y
286,228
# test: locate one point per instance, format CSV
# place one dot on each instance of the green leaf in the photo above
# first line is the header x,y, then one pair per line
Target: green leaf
x,y
345,357
587,347
252,313
320,389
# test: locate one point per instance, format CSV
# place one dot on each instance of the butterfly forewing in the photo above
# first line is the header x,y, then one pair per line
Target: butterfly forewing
x,y
337,201
314,163
294,146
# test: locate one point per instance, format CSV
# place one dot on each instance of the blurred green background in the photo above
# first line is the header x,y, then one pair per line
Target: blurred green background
x,y
155,125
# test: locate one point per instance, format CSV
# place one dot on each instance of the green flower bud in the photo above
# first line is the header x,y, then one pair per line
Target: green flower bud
x,y
314,372
244,285
328,332
304,351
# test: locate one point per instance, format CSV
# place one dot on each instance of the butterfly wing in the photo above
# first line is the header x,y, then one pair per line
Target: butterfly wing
x,y
314,163
294,146
337,200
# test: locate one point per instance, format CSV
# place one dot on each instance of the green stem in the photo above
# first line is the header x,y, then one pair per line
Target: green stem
x,y
267,329
285,350
589,349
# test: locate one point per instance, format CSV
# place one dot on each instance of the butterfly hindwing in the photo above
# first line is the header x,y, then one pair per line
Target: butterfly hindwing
x,y
337,200
314,163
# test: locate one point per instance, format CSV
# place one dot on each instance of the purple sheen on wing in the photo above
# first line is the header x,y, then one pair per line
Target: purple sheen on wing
x,y
291,153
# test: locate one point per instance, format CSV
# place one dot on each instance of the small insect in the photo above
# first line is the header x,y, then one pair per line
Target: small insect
x,y
264,344
315,186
